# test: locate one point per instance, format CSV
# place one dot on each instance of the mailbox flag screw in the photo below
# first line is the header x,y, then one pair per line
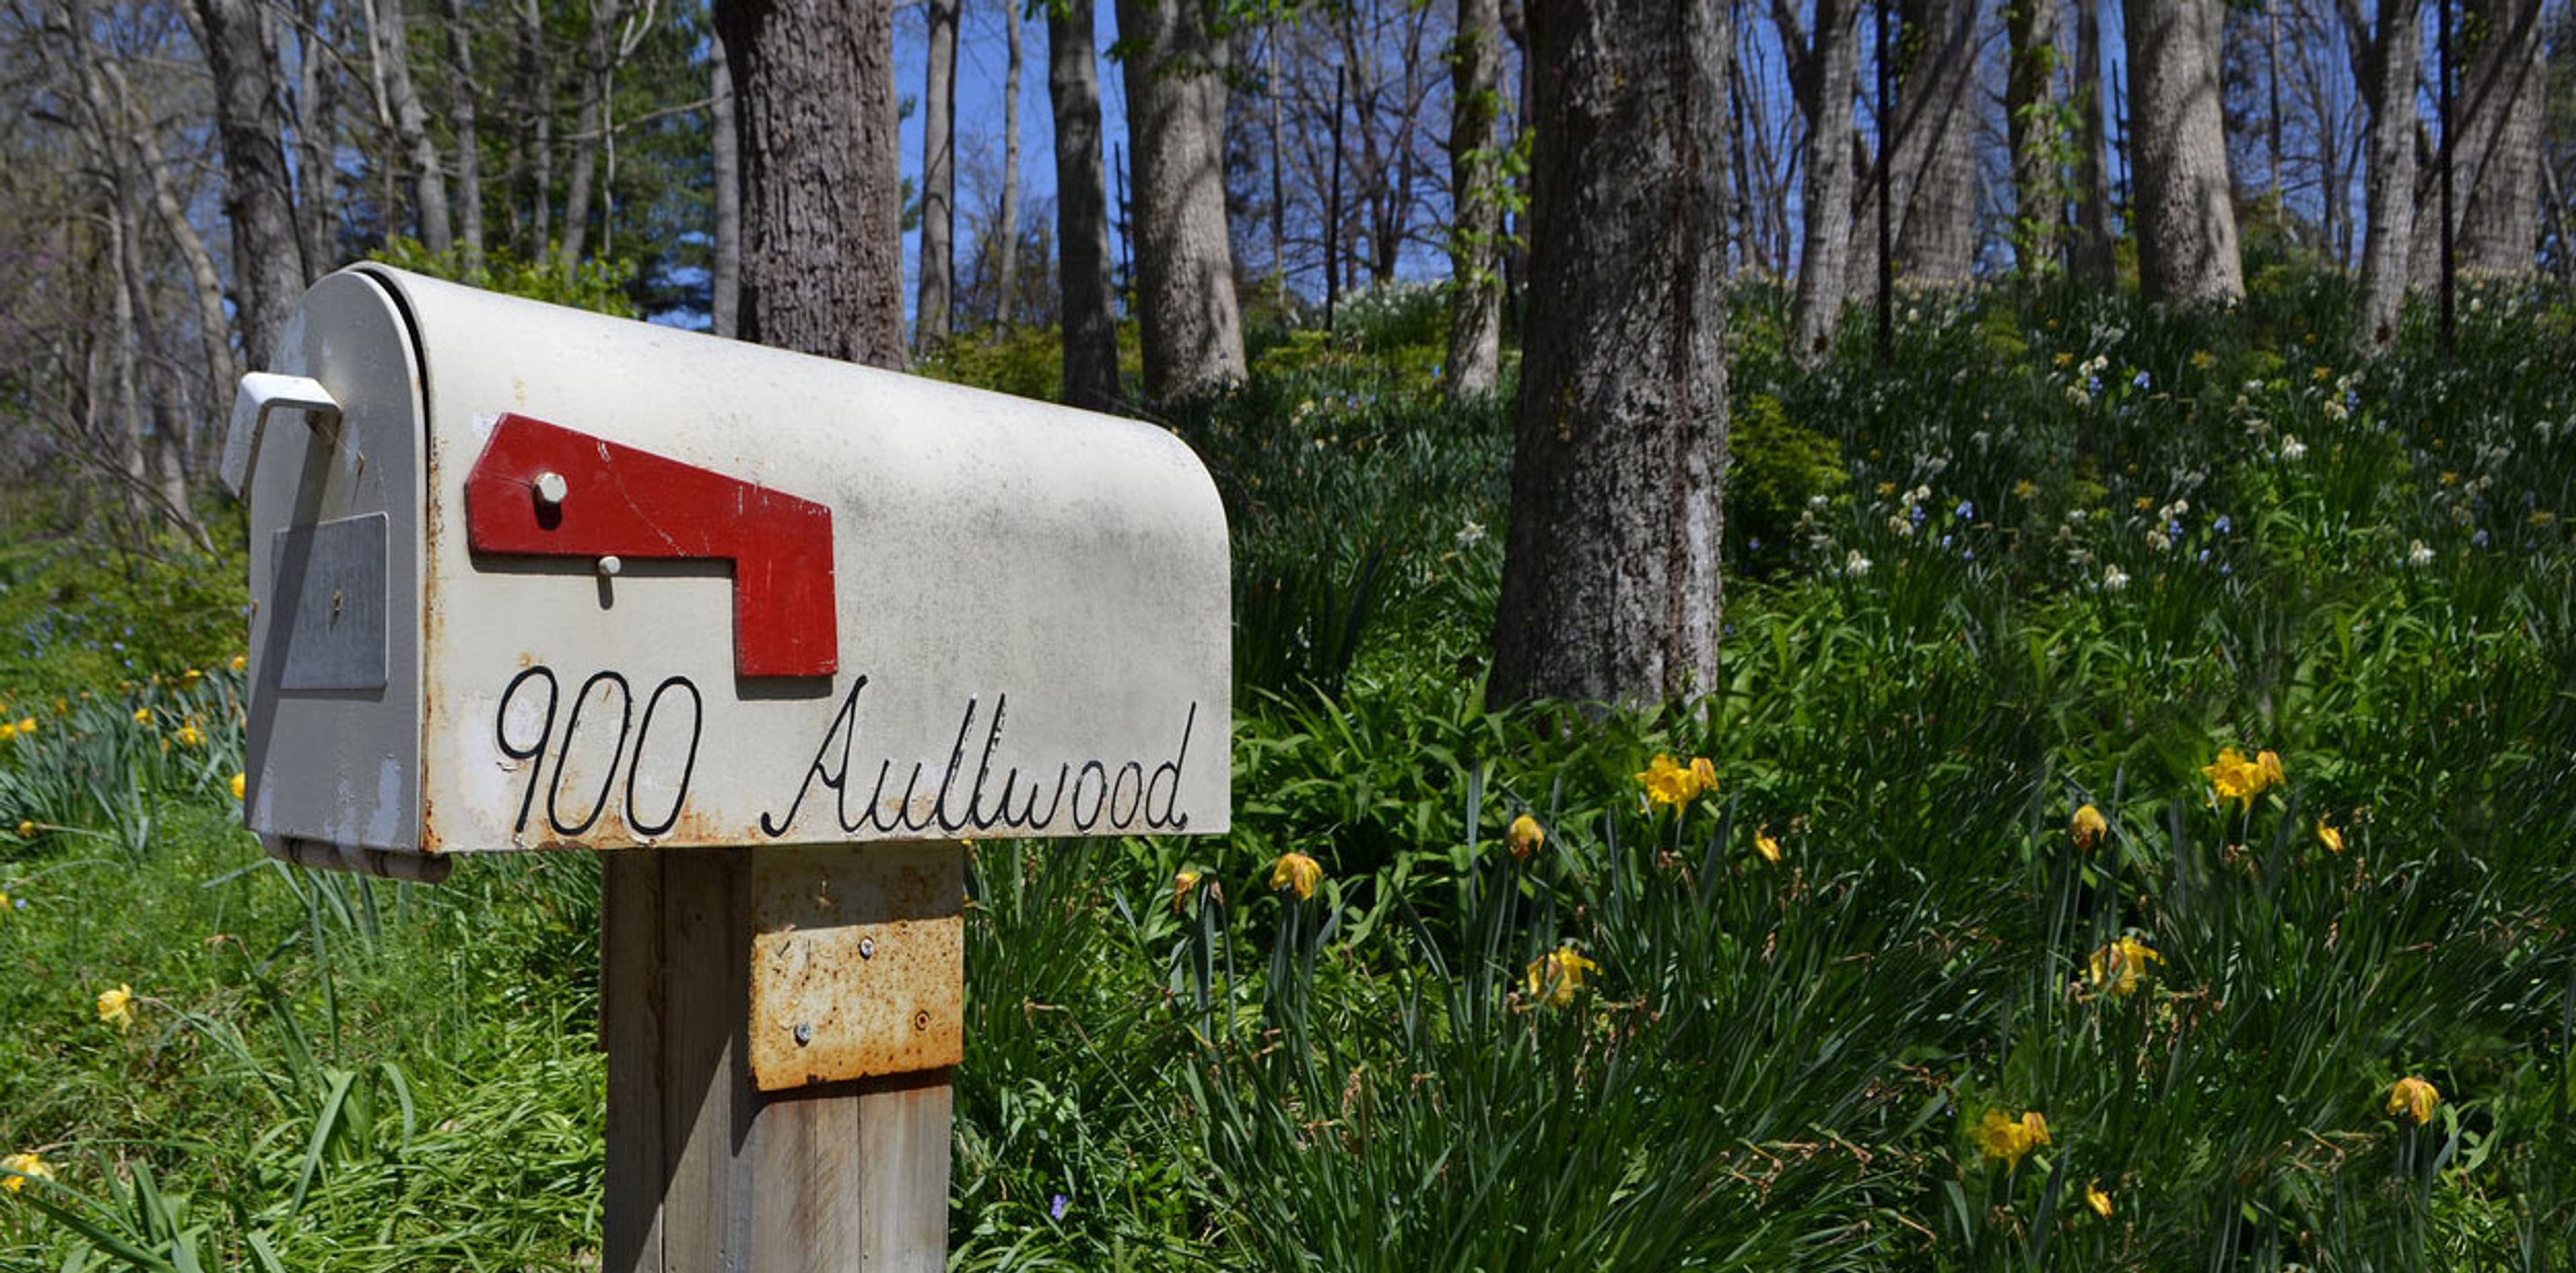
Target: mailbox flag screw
x,y
551,488
804,1034
921,1020
609,566
867,948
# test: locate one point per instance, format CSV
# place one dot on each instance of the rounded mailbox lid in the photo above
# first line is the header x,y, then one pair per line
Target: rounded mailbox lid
x,y
336,509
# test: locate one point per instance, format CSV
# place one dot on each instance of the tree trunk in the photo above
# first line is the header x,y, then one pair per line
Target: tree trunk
x,y
259,199
1006,305
724,285
2498,155
536,89
1082,211
2089,255
469,145
1823,85
214,331
392,39
1193,332
2186,221
1936,240
590,125
2386,72
1610,574
822,267
317,124
2030,113
1930,164
938,175
1475,177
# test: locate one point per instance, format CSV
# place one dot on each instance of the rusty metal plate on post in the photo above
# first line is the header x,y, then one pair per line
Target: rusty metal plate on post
x,y
858,962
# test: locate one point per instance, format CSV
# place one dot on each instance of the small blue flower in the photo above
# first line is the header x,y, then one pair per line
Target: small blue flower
x,y
1919,513
1756,545
2222,525
2224,571
1057,1208
2479,539
2093,384
2142,381
2204,554
1967,511
1945,541
1967,554
2174,529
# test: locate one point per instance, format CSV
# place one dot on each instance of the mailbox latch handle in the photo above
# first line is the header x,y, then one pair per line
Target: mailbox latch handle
x,y
263,392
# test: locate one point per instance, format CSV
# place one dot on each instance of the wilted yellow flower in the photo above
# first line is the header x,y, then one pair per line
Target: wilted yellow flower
x,y
2328,836
240,662
1765,844
2118,966
2088,826
2414,1098
2234,777
1182,884
1669,783
2098,1200
241,785
143,716
2006,1138
117,1007
1296,872
1554,976
27,828
2269,762
21,1168
190,736
1527,838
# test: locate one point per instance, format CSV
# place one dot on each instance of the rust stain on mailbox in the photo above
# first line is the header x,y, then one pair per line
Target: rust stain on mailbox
x,y
857,962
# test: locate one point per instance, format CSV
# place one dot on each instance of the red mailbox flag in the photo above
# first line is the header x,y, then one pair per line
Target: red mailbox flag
x,y
546,491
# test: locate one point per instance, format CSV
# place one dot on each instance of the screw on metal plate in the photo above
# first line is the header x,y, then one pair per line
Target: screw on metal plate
x,y
804,1034
921,1020
609,566
867,948
551,488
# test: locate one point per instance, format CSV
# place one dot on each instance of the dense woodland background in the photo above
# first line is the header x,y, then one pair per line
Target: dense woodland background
x,y
587,152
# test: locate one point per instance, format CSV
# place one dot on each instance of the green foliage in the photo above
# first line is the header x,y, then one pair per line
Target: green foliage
x,y
2069,548
1027,361
598,284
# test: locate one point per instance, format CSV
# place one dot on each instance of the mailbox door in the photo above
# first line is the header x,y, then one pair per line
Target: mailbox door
x,y
333,749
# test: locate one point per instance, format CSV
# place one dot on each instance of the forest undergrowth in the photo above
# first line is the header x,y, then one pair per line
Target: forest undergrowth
x,y
2132,833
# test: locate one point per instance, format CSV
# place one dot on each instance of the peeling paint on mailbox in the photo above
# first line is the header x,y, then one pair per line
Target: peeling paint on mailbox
x,y
648,587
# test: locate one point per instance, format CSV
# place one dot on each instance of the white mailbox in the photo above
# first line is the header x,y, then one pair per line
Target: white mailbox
x,y
527,577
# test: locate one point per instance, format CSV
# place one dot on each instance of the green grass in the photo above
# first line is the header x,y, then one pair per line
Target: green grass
x,y
1771,1065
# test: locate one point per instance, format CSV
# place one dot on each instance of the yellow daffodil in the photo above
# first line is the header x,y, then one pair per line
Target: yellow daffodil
x,y
2088,826
241,785
190,736
1669,783
2269,762
1183,885
117,1007
2328,836
2025,488
1527,838
2413,1098
1297,873
2098,1200
240,662
4,906
7,731
18,1169
191,676
2233,777
1556,975
2000,1136
143,716
26,725
27,828
1765,844
2118,966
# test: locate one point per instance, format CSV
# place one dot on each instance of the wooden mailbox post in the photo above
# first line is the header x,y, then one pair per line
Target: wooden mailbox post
x,y
778,634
